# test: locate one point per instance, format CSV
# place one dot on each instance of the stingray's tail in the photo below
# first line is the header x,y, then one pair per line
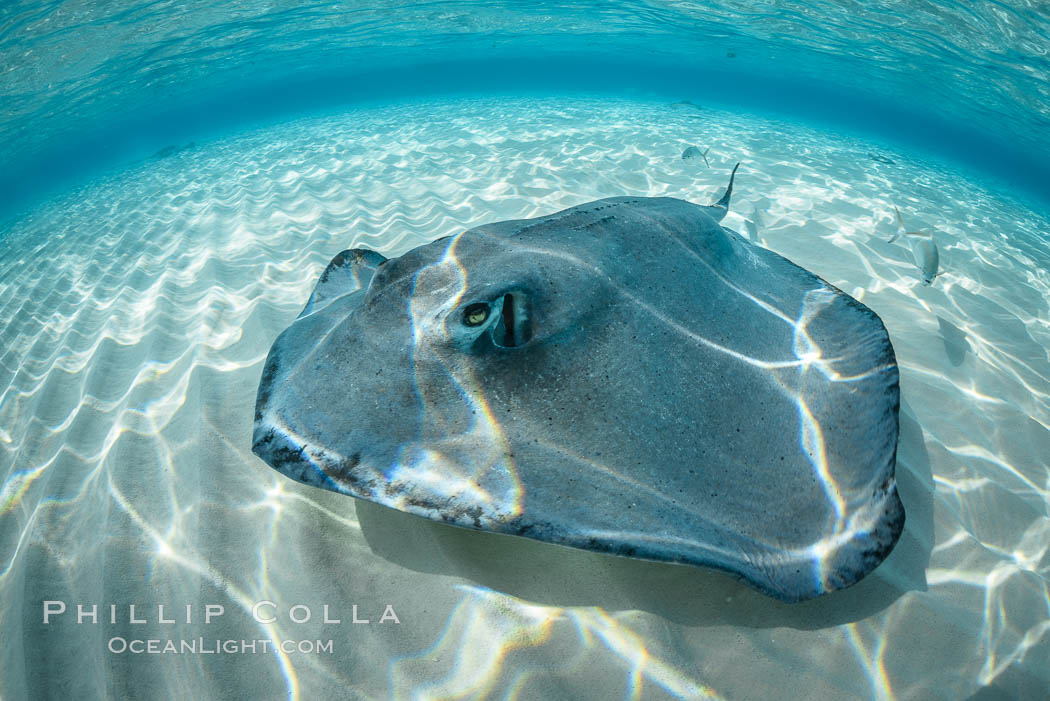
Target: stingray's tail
x,y
722,204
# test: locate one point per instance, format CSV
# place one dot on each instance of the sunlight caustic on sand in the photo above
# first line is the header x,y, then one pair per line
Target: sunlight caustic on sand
x,y
135,315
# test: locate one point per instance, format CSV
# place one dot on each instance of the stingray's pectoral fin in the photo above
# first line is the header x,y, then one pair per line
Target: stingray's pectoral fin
x,y
288,417
348,272
284,454
845,565
285,432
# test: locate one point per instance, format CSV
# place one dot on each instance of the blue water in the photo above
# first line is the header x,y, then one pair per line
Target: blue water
x,y
84,87
176,175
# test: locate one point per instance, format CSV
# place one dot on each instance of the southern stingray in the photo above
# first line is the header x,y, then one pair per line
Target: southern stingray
x,y
625,376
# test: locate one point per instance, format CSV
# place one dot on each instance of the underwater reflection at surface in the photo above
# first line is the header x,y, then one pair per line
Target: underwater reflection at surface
x,y
136,316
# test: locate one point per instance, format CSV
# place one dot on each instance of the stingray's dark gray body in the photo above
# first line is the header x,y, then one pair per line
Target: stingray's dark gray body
x,y
624,376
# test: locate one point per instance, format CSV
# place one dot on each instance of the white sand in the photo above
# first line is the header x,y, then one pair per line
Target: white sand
x,y
135,316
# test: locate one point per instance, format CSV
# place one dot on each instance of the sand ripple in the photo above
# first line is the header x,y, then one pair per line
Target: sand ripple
x,y
135,315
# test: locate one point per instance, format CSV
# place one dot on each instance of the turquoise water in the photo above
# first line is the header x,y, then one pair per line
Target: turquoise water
x,y
84,84
177,177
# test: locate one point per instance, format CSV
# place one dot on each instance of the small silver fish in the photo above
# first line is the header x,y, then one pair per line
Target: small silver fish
x,y
693,152
928,259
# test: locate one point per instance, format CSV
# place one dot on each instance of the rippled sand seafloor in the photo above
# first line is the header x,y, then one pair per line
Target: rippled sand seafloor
x,y
135,315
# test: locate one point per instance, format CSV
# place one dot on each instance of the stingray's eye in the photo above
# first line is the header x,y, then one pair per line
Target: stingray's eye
x,y
475,314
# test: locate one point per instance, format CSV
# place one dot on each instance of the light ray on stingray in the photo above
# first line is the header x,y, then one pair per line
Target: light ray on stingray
x,y
495,464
